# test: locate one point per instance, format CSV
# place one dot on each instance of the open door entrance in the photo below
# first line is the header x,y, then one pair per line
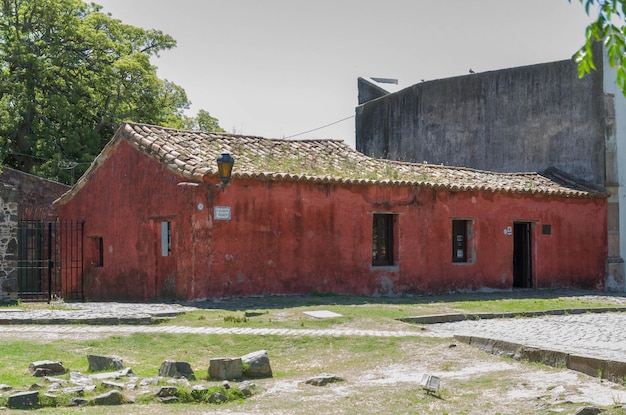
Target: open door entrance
x,y
522,255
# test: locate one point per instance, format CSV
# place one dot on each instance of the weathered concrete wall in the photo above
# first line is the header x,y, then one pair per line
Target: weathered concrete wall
x,y
8,242
296,237
520,119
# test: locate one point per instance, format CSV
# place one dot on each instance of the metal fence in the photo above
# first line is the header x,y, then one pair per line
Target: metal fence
x,y
50,260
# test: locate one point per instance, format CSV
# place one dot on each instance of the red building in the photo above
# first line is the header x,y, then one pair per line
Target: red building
x,y
317,216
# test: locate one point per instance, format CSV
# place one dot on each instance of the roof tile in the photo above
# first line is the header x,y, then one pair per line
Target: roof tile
x,y
192,155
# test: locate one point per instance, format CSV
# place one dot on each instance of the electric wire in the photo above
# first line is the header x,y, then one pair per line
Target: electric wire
x,y
319,128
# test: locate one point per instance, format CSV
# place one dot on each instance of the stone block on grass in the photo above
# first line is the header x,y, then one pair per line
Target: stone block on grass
x,y
172,369
101,363
46,368
257,365
113,397
23,400
226,368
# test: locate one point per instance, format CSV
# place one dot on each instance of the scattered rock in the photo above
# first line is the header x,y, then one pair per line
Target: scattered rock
x,y
587,410
217,397
148,381
100,363
76,401
78,390
178,382
113,397
78,378
323,380
46,368
246,388
107,384
257,365
53,380
225,368
23,400
173,369
113,375
165,391
168,399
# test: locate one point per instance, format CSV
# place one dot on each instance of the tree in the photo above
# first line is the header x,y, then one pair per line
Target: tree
x,y
610,29
69,75
203,121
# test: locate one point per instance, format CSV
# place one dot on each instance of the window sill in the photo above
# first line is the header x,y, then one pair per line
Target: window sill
x,y
393,268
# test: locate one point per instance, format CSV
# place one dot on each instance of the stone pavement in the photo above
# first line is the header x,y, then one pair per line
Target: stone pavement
x,y
598,335
93,313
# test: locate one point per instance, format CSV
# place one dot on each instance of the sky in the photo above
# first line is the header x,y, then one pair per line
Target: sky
x,y
286,68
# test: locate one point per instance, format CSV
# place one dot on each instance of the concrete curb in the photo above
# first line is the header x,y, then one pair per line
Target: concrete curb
x,y
453,318
614,371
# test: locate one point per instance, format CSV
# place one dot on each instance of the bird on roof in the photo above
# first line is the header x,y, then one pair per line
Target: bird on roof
x,y
471,70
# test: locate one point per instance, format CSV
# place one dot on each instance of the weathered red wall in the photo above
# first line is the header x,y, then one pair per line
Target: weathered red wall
x,y
289,237
297,237
124,202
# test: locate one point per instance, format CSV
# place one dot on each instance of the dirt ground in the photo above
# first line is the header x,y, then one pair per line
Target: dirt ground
x,y
472,382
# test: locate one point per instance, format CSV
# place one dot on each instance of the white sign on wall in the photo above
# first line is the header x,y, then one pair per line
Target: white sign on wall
x,y
221,213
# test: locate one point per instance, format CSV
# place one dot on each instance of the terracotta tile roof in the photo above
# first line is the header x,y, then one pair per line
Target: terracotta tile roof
x,y
192,155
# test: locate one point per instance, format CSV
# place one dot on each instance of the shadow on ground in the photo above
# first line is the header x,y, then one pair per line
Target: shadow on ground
x,y
288,301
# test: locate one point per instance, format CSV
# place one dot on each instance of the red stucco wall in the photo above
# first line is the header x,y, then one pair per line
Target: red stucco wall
x,y
289,237
124,202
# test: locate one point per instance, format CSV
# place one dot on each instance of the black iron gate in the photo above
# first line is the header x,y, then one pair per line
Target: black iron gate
x,y
50,260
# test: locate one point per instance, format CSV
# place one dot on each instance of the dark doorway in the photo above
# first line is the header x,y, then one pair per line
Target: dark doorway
x,y
522,255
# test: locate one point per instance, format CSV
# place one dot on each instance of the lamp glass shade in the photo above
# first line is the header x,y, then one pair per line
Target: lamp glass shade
x,y
225,167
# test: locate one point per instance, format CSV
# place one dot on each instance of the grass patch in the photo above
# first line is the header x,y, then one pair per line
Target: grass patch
x,y
364,312
145,352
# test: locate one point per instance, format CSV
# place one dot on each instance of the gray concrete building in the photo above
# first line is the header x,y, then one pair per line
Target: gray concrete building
x,y
512,120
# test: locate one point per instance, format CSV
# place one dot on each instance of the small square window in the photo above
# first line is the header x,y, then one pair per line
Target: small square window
x,y
546,229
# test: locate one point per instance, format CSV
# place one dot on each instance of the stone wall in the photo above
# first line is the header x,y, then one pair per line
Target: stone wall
x,y
23,196
8,242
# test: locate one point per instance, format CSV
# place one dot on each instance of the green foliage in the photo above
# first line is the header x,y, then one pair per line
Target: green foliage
x,y
610,29
69,75
203,121
235,319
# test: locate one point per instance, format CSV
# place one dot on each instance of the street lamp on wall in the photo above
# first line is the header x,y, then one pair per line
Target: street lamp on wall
x,y
225,164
